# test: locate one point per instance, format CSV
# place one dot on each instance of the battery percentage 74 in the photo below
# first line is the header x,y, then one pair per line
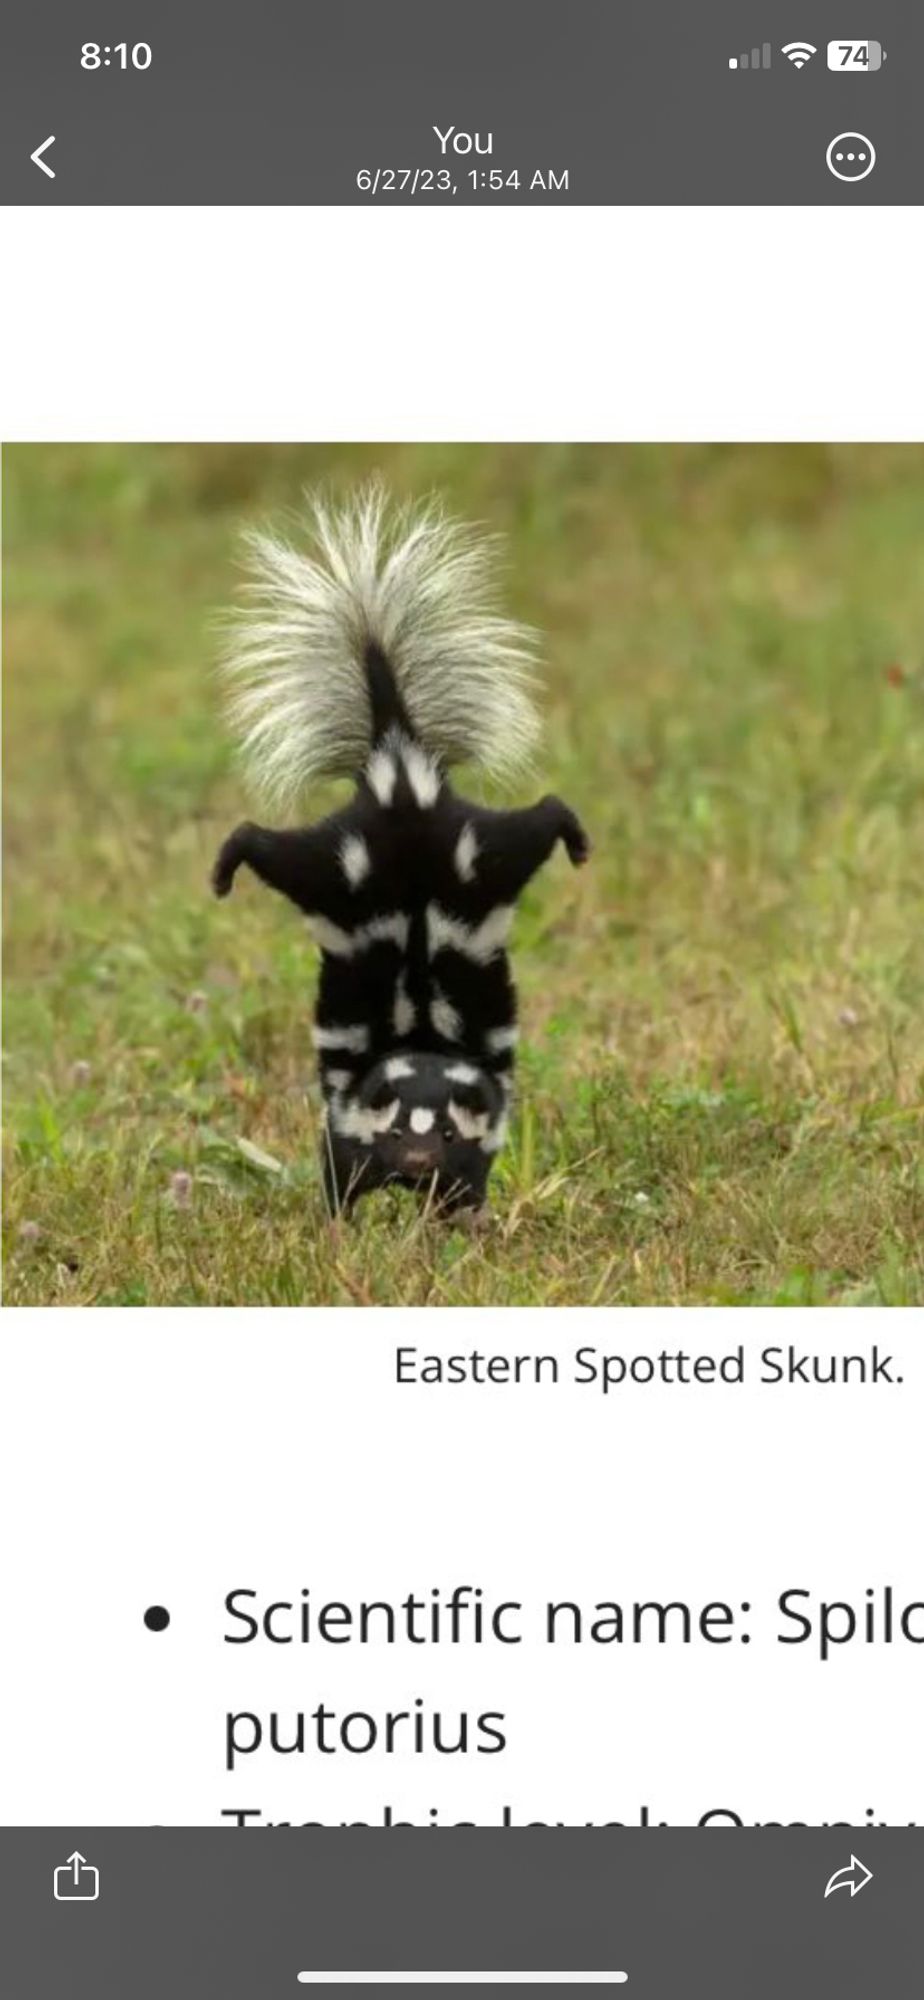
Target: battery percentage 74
x,y
855,57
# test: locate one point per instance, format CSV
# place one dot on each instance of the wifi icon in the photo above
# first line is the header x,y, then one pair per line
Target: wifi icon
x,y
799,53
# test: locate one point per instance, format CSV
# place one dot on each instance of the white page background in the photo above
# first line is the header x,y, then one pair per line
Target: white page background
x,y
171,1456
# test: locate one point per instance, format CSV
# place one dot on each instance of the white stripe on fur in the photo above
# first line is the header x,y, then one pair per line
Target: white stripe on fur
x,y
382,776
494,1140
444,1017
403,1011
479,942
352,1036
337,1079
358,1121
470,1124
422,774
339,943
466,852
392,929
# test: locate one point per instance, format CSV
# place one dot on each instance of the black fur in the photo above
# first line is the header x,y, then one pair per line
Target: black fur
x,y
439,989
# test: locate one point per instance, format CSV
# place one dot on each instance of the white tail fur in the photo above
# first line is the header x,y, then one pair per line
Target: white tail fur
x,y
419,585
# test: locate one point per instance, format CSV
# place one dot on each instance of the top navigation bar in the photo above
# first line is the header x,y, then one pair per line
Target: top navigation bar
x,y
439,103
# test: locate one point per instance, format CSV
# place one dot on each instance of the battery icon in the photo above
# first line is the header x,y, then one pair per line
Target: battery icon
x,y
855,58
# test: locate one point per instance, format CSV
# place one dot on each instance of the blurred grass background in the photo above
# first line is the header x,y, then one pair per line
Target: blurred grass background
x,y
721,1085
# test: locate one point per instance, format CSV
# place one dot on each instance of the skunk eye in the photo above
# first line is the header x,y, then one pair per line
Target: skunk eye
x,y
449,1132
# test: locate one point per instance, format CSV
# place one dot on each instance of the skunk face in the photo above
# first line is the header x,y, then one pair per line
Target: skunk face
x,y
429,1115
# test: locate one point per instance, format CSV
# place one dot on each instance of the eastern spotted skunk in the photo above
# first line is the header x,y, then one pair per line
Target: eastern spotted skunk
x,y
378,654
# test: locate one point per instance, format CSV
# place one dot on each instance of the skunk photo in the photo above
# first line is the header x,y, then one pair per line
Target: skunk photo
x,y
378,655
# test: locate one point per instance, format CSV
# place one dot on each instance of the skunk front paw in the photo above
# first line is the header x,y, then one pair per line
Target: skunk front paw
x,y
229,860
577,845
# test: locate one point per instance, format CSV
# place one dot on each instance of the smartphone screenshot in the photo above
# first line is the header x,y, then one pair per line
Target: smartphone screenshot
x,y
463,981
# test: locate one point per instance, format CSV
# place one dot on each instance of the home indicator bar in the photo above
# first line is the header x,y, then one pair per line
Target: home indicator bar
x,y
463,1978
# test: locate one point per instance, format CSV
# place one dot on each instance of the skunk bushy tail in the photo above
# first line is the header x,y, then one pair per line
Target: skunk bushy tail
x,y
387,618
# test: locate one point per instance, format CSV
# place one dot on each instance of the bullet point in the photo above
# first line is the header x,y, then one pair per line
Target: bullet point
x,y
156,1618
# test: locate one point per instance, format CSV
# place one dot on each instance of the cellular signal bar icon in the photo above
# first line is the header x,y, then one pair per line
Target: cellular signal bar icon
x,y
758,59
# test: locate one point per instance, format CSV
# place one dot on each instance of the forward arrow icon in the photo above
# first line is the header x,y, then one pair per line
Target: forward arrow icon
x,y
853,1878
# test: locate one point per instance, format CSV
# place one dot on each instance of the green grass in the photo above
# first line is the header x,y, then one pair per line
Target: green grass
x,y
720,1094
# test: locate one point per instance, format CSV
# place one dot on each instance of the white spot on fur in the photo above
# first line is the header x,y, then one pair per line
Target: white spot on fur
x,y
403,1012
461,1073
359,1121
444,1017
397,1067
355,859
502,1038
479,942
422,1120
382,775
352,1036
466,851
422,774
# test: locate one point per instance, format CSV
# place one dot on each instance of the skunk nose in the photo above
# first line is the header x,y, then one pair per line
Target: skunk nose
x,y
420,1159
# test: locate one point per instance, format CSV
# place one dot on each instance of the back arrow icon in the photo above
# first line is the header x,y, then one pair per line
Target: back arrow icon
x,y
853,1878
37,157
